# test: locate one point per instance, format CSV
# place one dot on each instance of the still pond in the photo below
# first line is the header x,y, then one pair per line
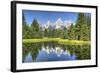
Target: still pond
x,y
44,52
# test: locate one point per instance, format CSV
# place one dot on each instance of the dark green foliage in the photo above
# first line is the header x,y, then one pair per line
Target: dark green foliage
x,y
71,32
81,30
35,26
25,28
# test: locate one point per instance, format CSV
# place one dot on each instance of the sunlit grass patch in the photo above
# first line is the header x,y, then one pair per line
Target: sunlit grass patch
x,y
73,42
57,40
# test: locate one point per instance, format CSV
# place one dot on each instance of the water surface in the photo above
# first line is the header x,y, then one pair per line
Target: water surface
x,y
44,52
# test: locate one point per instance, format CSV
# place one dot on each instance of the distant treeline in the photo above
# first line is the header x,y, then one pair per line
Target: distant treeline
x,y
81,30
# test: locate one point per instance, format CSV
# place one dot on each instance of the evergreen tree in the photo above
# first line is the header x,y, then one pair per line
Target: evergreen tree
x,y
71,32
35,32
82,28
25,28
35,26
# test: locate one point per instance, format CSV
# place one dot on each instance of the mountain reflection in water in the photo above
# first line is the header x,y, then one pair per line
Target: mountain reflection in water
x,y
43,52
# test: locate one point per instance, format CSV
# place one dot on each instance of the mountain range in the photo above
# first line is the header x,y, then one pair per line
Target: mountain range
x,y
59,24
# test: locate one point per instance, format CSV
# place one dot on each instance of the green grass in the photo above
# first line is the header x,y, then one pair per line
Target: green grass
x,y
58,40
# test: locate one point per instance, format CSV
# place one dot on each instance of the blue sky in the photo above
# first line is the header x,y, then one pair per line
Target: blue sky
x,y
44,16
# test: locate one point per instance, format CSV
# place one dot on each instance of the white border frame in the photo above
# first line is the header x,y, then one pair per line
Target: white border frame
x,y
35,65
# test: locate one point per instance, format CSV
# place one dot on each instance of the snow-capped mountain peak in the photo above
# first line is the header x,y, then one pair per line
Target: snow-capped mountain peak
x,y
59,24
59,21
